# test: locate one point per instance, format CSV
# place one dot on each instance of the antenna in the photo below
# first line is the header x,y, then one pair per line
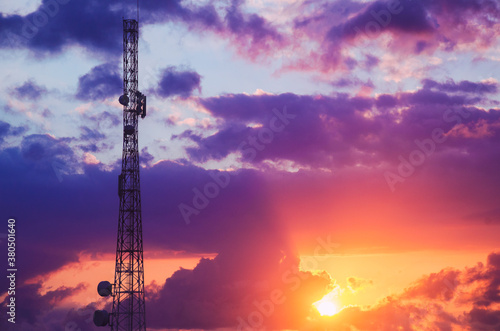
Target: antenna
x,y
128,288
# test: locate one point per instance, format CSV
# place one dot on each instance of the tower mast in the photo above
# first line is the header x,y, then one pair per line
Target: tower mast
x,y
128,289
128,300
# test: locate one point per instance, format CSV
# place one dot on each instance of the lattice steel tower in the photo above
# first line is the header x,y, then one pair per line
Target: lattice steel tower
x,y
128,288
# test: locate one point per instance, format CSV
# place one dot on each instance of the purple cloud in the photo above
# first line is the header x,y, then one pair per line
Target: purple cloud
x,y
176,82
96,25
329,131
463,86
7,130
237,290
91,134
380,16
415,27
33,309
55,24
101,82
29,90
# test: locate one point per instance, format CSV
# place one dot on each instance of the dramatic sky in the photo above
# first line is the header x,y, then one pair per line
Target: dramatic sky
x,y
299,159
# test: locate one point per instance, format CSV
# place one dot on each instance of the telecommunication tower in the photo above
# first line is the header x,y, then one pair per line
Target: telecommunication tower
x,y
128,287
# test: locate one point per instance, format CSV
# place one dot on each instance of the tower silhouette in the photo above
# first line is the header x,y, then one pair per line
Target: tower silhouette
x,y
128,287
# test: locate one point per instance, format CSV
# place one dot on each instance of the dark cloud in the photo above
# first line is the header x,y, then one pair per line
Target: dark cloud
x,y
46,113
235,291
90,134
362,135
252,32
175,82
63,201
333,131
351,82
462,86
95,25
416,27
146,157
44,148
32,307
336,132
379,16
371,61
195,17
101,82
7,130
81,318
104,118
355,283
437,286
254,264
250,245
93,139
41,162
29,90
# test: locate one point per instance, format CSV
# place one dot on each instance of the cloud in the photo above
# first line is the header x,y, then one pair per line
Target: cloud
x,y
101,82
7,130
352,82
332,28
340,131
381,16
406,28
448,299
463,86
356,284
32,307
175,82
89,134
200,17
254,260
357,137
250,33
248,286
94,25
29,90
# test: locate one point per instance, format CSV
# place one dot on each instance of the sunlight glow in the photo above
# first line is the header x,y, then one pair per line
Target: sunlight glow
x,y
326,308
329,305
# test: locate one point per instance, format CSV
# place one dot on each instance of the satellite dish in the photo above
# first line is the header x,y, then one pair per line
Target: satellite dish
x,y
123,100
104,289
101,318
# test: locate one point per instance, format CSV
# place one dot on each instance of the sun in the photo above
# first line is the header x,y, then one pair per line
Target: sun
x,y
326,307
329,305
